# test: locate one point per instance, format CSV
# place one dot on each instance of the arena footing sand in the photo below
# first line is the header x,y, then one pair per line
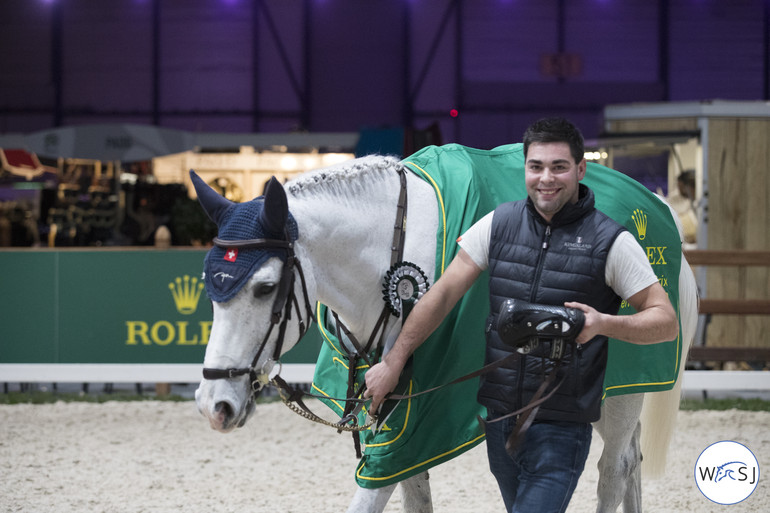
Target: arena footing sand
x,y
160,457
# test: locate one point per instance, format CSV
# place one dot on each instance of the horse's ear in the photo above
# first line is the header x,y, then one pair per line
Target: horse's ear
x,y
276,209
212,202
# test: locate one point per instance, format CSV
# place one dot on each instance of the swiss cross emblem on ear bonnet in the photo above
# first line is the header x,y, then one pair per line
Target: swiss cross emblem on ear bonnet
x,y
227,269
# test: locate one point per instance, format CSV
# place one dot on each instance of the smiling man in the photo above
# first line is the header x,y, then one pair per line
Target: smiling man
x,y
553,249
552,176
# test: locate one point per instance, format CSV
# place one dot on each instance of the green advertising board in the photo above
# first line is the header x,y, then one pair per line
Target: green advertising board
x,y
109,306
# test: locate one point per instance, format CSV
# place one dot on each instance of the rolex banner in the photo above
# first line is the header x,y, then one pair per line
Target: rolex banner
x,y
427,430
120,305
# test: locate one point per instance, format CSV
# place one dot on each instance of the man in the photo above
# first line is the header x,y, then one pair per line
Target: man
x,y
554,248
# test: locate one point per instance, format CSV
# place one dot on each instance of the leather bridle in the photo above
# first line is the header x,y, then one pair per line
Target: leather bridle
x,y
281,313
285,299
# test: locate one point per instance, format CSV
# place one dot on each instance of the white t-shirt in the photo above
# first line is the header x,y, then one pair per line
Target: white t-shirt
x,y
627,270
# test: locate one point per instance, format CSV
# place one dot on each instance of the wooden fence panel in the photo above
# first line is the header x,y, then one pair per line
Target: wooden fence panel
x,y
749,313
738,214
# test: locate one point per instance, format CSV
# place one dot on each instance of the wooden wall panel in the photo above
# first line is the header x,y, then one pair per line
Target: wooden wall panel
x,y
738,218
738,166
758,231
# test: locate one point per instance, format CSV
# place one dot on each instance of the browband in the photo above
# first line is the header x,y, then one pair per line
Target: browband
x,y
253,243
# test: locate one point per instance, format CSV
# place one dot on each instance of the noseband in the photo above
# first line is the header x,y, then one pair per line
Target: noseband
x,y
281,313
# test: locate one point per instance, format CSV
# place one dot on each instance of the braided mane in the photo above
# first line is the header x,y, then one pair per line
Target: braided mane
x,y
364,171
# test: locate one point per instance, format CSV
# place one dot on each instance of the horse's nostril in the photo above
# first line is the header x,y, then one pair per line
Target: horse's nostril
x,y
223,410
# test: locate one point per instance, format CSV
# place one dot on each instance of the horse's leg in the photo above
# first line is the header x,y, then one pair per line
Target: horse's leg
x,y
619,464
415,494
371,500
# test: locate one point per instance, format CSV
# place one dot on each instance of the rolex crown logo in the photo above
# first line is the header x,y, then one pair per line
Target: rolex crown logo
x,y
186,292
640,221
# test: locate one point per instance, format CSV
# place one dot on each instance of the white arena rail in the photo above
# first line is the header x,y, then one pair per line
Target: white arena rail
x,y
126,373
710,380
726,380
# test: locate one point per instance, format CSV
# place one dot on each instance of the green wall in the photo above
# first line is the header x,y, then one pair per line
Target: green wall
x,y
109,306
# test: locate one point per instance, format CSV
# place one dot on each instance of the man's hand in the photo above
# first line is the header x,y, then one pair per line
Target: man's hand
x,y
654,321
381,379
592,326
427,314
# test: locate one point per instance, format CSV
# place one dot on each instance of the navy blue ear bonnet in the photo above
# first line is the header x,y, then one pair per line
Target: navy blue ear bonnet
x,y
227,270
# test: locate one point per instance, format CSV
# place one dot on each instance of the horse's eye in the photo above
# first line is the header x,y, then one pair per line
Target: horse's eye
x,y
264,289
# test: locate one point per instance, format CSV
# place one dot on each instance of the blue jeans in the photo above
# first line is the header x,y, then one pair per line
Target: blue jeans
x,y
542,474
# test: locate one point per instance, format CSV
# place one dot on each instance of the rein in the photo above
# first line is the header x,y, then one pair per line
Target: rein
x,y
354,401
281,313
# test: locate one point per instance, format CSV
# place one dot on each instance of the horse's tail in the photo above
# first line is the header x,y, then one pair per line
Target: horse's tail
x,y
660,409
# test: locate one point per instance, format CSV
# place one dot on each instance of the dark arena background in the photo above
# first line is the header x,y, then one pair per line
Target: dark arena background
x,y
106,105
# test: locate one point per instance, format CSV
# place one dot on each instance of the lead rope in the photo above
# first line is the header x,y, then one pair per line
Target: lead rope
x,y
290,396
306,413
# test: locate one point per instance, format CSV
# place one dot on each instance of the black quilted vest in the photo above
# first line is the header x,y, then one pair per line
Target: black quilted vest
x,y
538,262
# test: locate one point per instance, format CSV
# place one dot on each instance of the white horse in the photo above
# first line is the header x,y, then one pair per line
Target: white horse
x,y
344,238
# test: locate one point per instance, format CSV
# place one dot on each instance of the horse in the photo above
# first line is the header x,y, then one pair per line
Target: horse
x,y
327,237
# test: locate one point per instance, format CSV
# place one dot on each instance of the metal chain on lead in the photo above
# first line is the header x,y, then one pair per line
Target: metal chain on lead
x,y
315,418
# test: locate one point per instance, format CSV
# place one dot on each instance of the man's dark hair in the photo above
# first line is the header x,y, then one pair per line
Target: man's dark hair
x,y
548,130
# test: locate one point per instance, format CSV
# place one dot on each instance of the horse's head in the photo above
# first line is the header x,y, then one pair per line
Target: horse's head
x,y
249,276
